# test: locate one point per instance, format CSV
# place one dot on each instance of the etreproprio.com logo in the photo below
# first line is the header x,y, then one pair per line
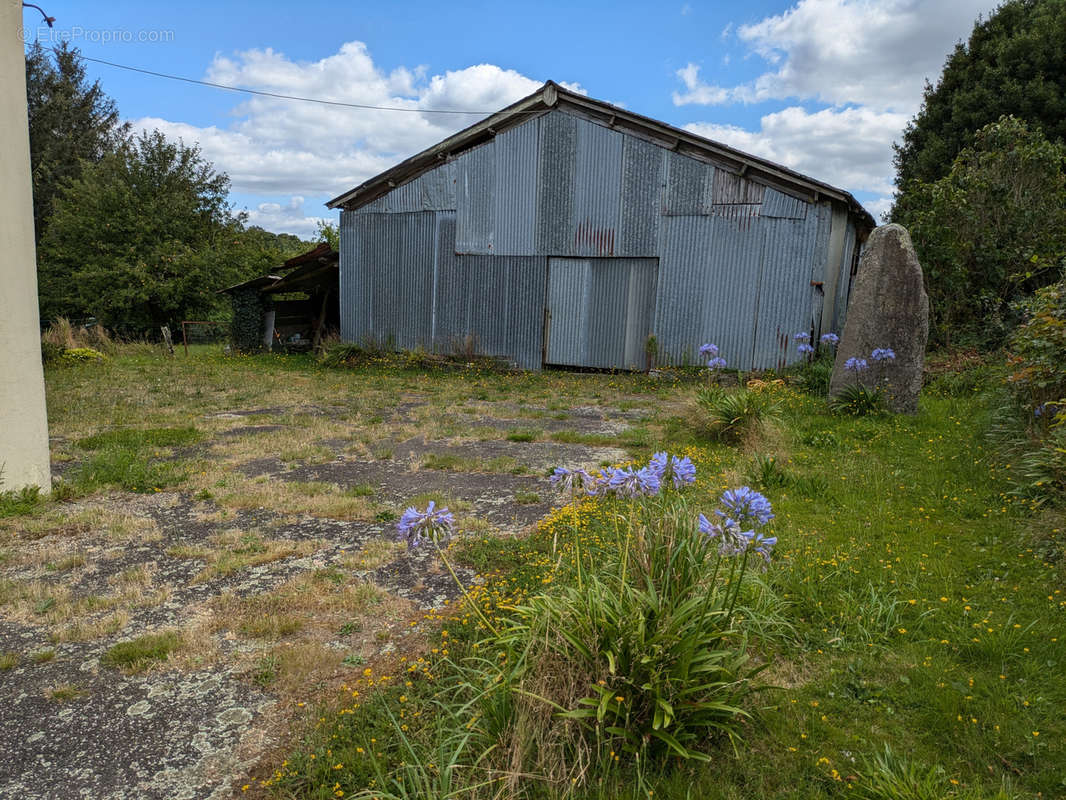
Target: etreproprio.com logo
x,y
76,34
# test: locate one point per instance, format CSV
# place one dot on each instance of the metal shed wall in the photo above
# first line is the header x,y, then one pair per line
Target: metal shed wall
x,y
463,250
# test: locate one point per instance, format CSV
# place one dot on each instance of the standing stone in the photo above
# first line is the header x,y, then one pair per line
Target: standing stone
x,y
888,308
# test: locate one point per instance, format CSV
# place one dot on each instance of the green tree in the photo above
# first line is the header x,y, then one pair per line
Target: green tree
x,y
1013,64
327,232
143,237
992,231
71,122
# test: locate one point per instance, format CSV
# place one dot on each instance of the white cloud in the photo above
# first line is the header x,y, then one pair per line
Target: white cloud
x,y
287,217
699,92
288,147
874,52
849,148
867,60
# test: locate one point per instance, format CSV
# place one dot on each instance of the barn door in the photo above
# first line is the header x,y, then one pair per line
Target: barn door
x,y
600,311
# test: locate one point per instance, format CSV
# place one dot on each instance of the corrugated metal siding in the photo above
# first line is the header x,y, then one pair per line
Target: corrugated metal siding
x,y
736,259
708,275
600,311
642,182
689,186
556,165
730,189
475,187
784,206
840,307
516,189
787,302
597,209
388,263
498,301
356,315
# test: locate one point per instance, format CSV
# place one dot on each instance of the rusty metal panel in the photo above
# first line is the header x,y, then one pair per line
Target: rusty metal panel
x,y
597,207
600,311
642,189
475,186
689,186
708,281
730,188
556,166
780,205
516,189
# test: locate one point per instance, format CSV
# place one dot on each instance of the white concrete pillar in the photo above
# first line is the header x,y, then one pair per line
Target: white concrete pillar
x,y
23,417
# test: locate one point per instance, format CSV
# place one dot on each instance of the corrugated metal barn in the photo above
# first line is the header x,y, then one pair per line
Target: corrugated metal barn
x,y
565,231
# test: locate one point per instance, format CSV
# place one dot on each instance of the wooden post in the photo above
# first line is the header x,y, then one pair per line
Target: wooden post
x,y
321,321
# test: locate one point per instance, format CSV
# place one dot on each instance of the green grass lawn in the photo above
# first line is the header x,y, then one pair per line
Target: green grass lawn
x,y
912,605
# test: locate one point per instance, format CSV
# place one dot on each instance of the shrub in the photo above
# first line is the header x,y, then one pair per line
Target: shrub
x,y
645,656
767,473
19,502
82,355
858,401
731,416
814,376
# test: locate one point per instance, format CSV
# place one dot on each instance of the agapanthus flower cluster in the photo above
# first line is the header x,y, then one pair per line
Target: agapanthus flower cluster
x,y
856,365
432,525
883,354
801,337
829,339
708,350
630,481
740,508
745,504
679,469
716,363
571,480
804,349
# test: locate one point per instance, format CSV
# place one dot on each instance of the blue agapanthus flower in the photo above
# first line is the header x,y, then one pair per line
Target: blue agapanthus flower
x,y
883,354
629,482
567,480
683,471
432,525
730,538
716,363
745,504
708,350
763,545
659,463
829,338
856,364
805,349
801,337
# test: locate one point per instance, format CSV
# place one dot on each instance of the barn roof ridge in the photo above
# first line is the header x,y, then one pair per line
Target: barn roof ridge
x,y
552,96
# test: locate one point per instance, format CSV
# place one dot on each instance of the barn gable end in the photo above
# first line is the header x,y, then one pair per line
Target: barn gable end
x,y
564,239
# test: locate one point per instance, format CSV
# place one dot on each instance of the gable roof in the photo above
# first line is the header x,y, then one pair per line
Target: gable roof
x,y
553,96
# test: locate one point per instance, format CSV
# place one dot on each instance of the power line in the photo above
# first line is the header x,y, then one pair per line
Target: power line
x,y
287,96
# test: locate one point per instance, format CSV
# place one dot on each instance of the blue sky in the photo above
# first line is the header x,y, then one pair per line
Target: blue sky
x,y
823,86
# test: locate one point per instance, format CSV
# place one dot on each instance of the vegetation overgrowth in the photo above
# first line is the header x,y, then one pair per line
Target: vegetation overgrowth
x,y
906,628
906,632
